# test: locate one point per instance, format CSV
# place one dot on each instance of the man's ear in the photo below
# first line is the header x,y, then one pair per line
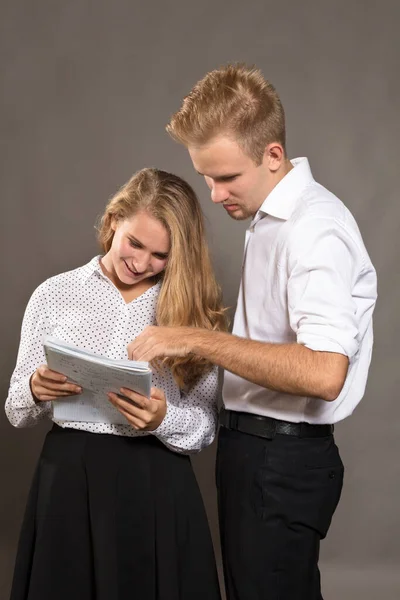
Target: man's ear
x,y
274,156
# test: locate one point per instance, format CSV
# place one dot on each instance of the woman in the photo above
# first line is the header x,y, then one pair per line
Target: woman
x,y
114,511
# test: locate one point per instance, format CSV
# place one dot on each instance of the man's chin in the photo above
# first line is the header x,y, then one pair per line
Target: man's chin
x,y
239,215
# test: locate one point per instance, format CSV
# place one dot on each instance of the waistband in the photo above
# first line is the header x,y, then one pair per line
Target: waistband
x,y
268,427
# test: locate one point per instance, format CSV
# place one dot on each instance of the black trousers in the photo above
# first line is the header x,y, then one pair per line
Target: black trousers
x,y
276,499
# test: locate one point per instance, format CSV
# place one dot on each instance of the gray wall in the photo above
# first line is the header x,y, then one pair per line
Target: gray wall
x,y
87,88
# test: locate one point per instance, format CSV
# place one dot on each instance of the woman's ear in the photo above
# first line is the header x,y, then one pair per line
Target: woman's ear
x,y
113,223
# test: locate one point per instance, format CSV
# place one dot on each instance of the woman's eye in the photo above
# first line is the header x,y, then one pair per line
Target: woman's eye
x,y
134,244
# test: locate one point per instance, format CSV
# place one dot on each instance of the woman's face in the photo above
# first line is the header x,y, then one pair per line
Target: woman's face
x,y
139,249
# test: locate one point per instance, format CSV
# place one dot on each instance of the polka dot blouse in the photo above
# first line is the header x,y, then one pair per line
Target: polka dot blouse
x,y
83,307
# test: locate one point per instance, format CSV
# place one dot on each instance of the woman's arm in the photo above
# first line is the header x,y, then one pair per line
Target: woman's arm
x,y
21,408
185,426
190,425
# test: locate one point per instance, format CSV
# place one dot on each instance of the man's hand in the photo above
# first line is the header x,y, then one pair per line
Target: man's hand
x,y
144,414
158,342
49,385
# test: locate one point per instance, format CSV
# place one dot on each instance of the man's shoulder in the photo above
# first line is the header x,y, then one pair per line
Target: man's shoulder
x,y
324,209
322,220
318,201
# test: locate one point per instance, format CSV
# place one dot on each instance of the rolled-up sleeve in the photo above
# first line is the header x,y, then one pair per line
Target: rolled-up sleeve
x,y
324,263
190,424
21,409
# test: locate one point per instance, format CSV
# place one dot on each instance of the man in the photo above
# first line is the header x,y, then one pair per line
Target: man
x,y
298,358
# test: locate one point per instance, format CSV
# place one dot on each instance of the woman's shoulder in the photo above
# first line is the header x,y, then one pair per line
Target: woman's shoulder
x,y
67,279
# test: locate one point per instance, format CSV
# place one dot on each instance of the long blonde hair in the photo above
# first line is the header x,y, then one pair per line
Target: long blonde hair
x,y
189,295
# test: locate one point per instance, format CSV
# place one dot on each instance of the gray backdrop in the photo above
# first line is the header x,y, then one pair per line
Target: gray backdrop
x,y
87,88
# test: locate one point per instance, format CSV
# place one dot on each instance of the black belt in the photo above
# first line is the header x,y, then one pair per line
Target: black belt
x,y
267,427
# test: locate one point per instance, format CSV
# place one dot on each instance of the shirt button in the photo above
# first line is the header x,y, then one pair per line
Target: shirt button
x,y
252,229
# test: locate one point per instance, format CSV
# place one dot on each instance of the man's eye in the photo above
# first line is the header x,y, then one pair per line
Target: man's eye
x,y
161,256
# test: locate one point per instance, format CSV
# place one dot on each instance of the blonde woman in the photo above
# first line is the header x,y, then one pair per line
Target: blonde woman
x,y
114,511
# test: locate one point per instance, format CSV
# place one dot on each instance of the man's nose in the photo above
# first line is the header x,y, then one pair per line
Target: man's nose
x,y
219,193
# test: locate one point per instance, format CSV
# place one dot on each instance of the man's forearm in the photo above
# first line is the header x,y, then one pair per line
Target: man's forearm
x,y
290,368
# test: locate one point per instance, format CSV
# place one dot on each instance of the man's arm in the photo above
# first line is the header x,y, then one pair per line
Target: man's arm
x,y
323,261
289,368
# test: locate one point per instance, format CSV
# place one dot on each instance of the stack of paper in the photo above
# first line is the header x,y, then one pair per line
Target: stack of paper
x,y
97,375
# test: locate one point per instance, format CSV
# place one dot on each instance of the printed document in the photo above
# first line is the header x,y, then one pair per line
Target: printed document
x,y
96,375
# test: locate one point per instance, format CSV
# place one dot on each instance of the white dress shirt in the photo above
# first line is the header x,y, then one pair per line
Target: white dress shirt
x,y
84,308
306,278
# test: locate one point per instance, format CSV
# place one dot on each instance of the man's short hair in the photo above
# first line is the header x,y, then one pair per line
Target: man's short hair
x,y
234,100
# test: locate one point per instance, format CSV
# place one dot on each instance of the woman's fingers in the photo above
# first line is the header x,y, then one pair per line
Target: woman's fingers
x,y
49,385
142,413
136,423
44,371
67,388
130,407
137,399
138,417
45,395
157,394
55,381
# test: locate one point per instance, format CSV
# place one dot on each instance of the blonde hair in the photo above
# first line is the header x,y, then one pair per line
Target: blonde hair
x,y
236,101
189,295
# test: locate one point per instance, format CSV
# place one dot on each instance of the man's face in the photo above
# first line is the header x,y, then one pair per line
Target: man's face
x,y
234,179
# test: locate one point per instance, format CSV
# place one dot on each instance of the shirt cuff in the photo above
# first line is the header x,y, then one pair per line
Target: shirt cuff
x,y
319,343
166,427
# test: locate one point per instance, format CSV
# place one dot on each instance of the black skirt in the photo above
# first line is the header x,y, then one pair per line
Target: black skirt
x,y
113,518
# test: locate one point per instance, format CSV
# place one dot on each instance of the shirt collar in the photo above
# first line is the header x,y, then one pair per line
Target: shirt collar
x,y
90,268
94,267
281,201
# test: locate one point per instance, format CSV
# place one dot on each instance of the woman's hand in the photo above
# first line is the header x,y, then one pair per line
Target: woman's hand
x,y
50,385
142,413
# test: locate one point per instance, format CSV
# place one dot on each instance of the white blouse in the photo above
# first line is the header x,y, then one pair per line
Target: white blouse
x,y
84,308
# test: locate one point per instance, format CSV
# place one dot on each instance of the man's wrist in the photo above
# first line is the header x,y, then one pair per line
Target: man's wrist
x,y
194,339
201,342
